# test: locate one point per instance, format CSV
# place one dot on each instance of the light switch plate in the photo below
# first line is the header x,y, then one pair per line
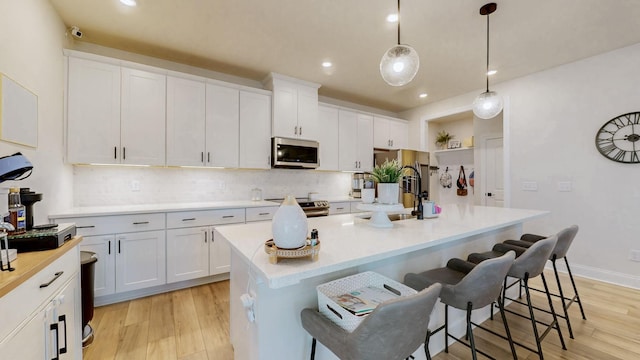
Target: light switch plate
x,y
135,185
529,186
564,185
635,255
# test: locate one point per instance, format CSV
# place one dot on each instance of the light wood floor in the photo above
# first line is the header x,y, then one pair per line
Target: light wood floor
x,y
194,324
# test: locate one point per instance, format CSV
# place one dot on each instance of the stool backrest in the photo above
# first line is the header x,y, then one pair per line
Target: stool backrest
x,y
532,261
481,286
565,238
396,328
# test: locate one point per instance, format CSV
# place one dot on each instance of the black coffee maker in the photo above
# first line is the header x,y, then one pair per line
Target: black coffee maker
x,y
28,198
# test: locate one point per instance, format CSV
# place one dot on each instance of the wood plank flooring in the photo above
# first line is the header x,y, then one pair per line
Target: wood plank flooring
x,y
193,324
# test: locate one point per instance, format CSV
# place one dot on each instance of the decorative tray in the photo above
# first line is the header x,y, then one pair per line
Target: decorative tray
x,y
305,251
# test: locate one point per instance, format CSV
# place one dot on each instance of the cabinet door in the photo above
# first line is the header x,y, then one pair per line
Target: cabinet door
x,y
185,122
307,113
143,117
328,134
105,267
365,142
223,126
219,255
399,133
140,260
285,110
29,341
339,208
255,123
67,315
93,112
188,253
348,125
381,136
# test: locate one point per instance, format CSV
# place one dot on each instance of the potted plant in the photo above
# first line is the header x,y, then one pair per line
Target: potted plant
x,y
442,139
387,176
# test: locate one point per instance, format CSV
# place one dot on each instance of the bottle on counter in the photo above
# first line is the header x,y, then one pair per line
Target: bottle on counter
x,y
17,212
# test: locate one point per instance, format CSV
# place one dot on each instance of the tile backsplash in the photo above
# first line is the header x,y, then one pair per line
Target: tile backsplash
x,y
124,185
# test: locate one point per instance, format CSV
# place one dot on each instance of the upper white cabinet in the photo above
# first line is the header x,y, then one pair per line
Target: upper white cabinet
x,y
328,134
255,125
93,112
390,133
143,105
356,141
185,122
116,115
223,126
295,107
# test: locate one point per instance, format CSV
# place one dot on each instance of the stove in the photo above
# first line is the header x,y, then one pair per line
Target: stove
x,y
312,208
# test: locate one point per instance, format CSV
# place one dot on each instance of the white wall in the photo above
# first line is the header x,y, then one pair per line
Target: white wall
x,y
31,40
550,131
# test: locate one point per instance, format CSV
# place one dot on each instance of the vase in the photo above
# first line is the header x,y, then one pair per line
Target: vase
x,y
388,193
289,225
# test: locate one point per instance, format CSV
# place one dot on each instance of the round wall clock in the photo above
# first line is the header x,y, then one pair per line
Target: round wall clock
x,y
619,138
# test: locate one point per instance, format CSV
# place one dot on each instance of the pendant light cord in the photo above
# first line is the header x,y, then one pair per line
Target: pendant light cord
x,y
398,22
487,73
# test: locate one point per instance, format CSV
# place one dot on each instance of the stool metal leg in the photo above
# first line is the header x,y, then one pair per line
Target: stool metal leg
x,y
553,312
446,328
506,328
313,349
532,316
426,345
562,298
470,332
575,289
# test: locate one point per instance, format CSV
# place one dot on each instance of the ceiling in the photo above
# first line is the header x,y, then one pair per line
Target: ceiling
x,y
250,38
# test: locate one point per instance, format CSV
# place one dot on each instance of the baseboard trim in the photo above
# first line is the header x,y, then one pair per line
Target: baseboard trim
x,y
608,276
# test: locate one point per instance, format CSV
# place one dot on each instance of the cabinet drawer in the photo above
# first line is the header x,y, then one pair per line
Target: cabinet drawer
x,y
354,207
339,208
100,225
261,213
22,301
184,219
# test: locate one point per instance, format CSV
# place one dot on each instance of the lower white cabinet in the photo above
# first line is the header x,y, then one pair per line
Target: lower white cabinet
x,y
219,255
339,208
105,267
51,330
140,260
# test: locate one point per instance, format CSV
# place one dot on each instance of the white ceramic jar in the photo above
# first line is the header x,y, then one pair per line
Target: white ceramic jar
x,y
289,225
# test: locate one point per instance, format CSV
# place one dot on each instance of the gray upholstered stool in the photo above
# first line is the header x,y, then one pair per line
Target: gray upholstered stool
x,y
393,330
528,264
467,287
565,238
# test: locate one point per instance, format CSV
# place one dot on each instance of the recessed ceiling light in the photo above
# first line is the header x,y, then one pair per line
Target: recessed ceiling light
x,y
327,64
392,18
423,95
492,72
129,2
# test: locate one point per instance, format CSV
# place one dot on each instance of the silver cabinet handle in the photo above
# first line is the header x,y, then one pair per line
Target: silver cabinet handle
x,y
140,223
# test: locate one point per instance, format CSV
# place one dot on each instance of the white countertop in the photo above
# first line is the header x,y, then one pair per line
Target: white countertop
x,y
154,208
348,240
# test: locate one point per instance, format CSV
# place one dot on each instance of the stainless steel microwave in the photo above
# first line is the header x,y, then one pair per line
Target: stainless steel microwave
x,y
294,153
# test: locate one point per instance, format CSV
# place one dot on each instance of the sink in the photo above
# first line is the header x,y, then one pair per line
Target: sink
x,y
395,217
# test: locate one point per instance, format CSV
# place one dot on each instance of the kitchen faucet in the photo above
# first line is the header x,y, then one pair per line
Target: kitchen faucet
x,y
419,194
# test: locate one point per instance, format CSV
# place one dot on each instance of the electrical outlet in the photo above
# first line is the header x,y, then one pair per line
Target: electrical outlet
x,y
564,186
635,255
529,186
135,185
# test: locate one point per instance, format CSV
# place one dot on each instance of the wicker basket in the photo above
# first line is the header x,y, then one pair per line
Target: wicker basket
x,y
276,253
339,315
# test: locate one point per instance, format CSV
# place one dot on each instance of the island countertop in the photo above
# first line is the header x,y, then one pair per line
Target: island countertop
x,y
348,240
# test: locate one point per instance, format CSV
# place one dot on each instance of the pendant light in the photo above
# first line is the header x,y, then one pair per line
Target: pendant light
x,y
488,104
399,64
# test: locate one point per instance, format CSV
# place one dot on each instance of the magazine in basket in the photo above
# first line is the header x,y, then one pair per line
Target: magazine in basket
x,y
362,301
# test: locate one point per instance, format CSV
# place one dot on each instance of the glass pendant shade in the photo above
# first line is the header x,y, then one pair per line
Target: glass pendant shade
x,y
487,105
399,65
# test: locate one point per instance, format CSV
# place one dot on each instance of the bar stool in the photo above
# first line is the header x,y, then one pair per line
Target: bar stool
x,y
467,287
565,238
393,330
528,264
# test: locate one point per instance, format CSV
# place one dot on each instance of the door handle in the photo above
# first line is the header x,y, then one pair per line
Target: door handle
x,y
55,277
63,318
109,247
140,223
489,194
205,236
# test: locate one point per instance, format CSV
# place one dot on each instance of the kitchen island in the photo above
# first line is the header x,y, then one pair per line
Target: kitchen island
x,y
349,245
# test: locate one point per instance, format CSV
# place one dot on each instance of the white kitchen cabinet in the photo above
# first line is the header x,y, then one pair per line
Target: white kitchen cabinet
x,y
93,112
390,133
188,253
328,135
185,122
104,269
42,316
295,107
354,207
343,207
255,127
223,126
143,112
140,260
219,255
356,141
262,213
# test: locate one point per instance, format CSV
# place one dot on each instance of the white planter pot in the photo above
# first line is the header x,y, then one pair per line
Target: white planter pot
x,y
289,225
388,193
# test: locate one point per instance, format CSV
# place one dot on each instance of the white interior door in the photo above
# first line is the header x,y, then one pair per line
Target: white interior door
x,y
493,171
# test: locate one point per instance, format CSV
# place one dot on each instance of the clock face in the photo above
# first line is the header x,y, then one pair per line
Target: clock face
x,y
619,138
